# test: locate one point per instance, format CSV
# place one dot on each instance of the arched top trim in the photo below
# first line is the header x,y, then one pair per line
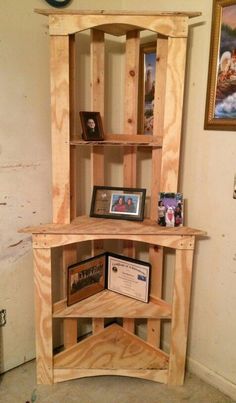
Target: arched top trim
x,y
168,25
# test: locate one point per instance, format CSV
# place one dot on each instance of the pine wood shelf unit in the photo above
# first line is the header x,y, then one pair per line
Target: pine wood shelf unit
x,y
114,349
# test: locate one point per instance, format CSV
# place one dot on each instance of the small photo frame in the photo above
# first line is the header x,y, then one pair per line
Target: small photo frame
x,y
129,277
92,129
86,278
117,202
170,209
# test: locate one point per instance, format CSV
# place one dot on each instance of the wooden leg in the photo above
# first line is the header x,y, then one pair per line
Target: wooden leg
x,y
43,315
70,325
129,324
180,315
98,325
154,325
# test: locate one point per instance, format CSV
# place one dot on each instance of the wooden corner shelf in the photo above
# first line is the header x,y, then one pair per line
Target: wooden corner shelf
x,y
115,349
108,304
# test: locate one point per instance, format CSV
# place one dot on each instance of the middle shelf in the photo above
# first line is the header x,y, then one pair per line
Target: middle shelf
x,y
108,304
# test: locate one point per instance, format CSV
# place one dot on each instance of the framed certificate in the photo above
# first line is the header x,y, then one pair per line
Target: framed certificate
x,y
128,276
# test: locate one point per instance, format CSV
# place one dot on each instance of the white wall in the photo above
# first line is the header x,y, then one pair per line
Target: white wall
x,y
208,168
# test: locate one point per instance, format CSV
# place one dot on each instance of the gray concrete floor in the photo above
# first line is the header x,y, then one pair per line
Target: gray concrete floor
x,y
19,386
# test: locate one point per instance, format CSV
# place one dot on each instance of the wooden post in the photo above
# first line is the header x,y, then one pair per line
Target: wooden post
x,y
156,253
43,315
180,315
97,104
130,127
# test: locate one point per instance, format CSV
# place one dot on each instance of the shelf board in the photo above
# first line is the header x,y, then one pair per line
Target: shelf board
x,y
112,348
122,140
102,226
118,12
108,304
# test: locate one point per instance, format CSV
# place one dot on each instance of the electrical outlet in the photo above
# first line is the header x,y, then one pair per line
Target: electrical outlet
x,y
234,193
3,315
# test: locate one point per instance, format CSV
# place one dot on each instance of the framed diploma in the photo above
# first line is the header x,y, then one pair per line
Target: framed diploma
x,y
128,276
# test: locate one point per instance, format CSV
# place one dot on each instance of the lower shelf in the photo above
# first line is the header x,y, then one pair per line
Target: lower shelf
x,y
108,304
112,349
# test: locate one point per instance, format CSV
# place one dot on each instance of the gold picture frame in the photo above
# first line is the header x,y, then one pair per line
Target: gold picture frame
x,y
220,113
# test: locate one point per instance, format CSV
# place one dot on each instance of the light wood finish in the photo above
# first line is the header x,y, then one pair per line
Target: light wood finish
x,y
61,375
113,348
102,226
173,114
172,26
122,140
180,316
156,253
190,14
108,304
60,98
97,104
43,316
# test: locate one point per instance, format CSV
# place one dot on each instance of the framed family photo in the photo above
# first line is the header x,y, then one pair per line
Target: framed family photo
x,y
220,111
117,202
92,129
147,72
86,278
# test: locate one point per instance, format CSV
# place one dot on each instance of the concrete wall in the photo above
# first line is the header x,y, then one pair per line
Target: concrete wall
x,y
208,168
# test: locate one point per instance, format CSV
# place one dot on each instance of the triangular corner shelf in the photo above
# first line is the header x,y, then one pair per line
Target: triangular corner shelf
x,y
112,348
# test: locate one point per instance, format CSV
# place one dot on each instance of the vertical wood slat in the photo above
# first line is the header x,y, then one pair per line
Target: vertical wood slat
x,y
97,153
156,255
97,99
130,127
69,253
173,113
43,315
131,105
60,99
154,325
180,315
73,153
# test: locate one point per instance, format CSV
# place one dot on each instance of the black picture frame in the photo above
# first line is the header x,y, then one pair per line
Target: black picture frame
x,y
92,129
118,202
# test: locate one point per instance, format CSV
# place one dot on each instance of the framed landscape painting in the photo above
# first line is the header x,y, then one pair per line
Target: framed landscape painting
x,y
221,92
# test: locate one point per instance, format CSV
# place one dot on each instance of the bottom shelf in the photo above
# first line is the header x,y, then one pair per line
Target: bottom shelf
x,y
112,349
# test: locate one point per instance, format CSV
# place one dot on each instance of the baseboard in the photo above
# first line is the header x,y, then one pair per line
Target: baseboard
x,y
202,372
212,378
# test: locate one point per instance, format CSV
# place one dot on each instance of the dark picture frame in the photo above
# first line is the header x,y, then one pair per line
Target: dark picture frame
x,y
147,73
128,276
220,113
86,278
118,202
92,129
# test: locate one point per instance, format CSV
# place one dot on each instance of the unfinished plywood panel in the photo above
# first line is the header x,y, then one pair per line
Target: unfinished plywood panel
x,y
112,348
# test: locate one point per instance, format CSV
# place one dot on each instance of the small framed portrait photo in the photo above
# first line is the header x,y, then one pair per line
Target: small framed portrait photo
x,y
117,202
91,126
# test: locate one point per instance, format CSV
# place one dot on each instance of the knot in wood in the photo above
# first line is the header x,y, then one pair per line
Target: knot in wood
x,y
132,73
129,120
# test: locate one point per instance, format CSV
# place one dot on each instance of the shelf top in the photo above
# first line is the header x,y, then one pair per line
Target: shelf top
x,y
103,226
122,140
118,12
